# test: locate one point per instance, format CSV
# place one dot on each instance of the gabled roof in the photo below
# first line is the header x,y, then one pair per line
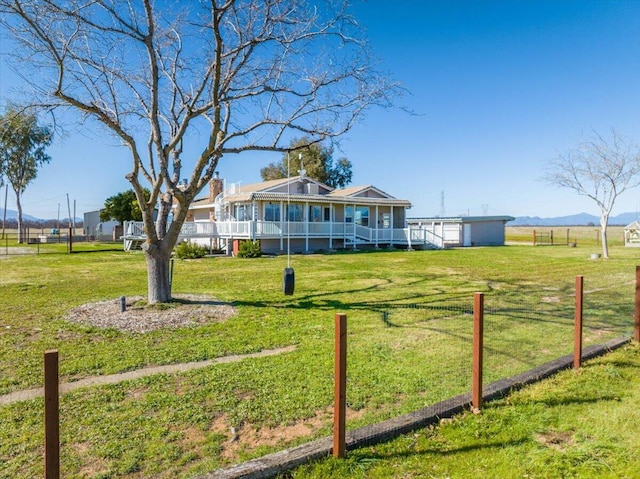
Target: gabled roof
x,y
634,225
263,186
271,185
273,190
361,191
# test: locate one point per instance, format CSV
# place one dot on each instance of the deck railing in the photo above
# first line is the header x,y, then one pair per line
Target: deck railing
x,y
297,229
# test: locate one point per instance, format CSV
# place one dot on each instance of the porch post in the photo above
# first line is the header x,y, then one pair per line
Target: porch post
x,y
281,225
354,226
331,220
305,215
392,227
377,226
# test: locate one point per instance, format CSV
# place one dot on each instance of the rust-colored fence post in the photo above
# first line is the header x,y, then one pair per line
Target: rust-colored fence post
x,y
340,386
51,417
577,335
534,237
478,333
636,319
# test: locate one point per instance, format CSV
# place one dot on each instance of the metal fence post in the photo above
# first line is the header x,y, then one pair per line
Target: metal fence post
x,y
51,416
577,335
340,386
478,333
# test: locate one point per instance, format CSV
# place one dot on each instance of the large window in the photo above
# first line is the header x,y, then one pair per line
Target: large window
x,y
296,212
348,214
244,212
362,215
315,213
272,212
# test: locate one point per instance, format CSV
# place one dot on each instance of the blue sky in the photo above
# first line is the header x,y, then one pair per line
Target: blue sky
x,y
498,88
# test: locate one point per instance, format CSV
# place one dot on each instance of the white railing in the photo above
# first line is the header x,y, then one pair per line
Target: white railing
x,y
384,235
262,229
320,229
134,228
268,228
364,233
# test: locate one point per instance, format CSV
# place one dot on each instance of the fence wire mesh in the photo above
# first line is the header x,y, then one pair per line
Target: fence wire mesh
x,y
423,358
33,243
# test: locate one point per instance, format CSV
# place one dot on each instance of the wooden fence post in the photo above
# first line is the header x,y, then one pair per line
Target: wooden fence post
x,y
51,416
478,332
636,320
577,335
534,237
340,386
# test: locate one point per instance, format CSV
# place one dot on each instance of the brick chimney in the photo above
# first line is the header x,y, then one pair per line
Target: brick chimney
x,y
216,187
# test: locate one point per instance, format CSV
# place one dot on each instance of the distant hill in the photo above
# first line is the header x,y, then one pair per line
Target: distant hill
x,y
581,219
12,215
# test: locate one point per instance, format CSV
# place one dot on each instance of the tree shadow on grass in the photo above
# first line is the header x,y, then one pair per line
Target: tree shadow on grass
x,y
565,400
326,300
369,454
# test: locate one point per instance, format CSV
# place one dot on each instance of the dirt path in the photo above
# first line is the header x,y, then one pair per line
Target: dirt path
x,y
139,373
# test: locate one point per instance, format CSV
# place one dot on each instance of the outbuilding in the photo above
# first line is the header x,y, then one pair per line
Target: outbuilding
x,y
94,229
464,230
632,234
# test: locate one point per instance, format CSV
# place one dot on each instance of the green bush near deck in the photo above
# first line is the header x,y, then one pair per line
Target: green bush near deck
x,y
188,250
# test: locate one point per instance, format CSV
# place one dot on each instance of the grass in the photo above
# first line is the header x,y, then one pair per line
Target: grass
x,y
409,343
582,424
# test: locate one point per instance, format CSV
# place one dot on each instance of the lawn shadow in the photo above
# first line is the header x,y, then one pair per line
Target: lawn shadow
x,y
369,454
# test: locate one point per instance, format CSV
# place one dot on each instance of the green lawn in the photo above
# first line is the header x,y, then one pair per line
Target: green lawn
x,y
574,425
409,346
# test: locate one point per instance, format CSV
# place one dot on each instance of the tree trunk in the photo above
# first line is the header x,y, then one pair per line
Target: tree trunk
x,y
604,221
158,278
19,206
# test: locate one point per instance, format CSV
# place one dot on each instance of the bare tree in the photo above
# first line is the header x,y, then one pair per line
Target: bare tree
x,y
598,168
219,76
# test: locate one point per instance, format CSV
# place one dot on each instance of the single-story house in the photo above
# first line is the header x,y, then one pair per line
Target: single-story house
x,y
297,214
464,230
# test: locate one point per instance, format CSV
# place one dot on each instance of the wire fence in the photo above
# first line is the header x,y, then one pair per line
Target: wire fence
x,y
35,242
524,328
425,358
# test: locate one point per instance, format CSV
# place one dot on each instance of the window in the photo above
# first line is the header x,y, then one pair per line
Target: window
x,y
243,212
362,215
348,214
327,213
295,212
315,213
272,212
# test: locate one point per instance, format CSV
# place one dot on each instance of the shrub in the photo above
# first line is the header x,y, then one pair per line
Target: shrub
x,y
249,249
187,250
